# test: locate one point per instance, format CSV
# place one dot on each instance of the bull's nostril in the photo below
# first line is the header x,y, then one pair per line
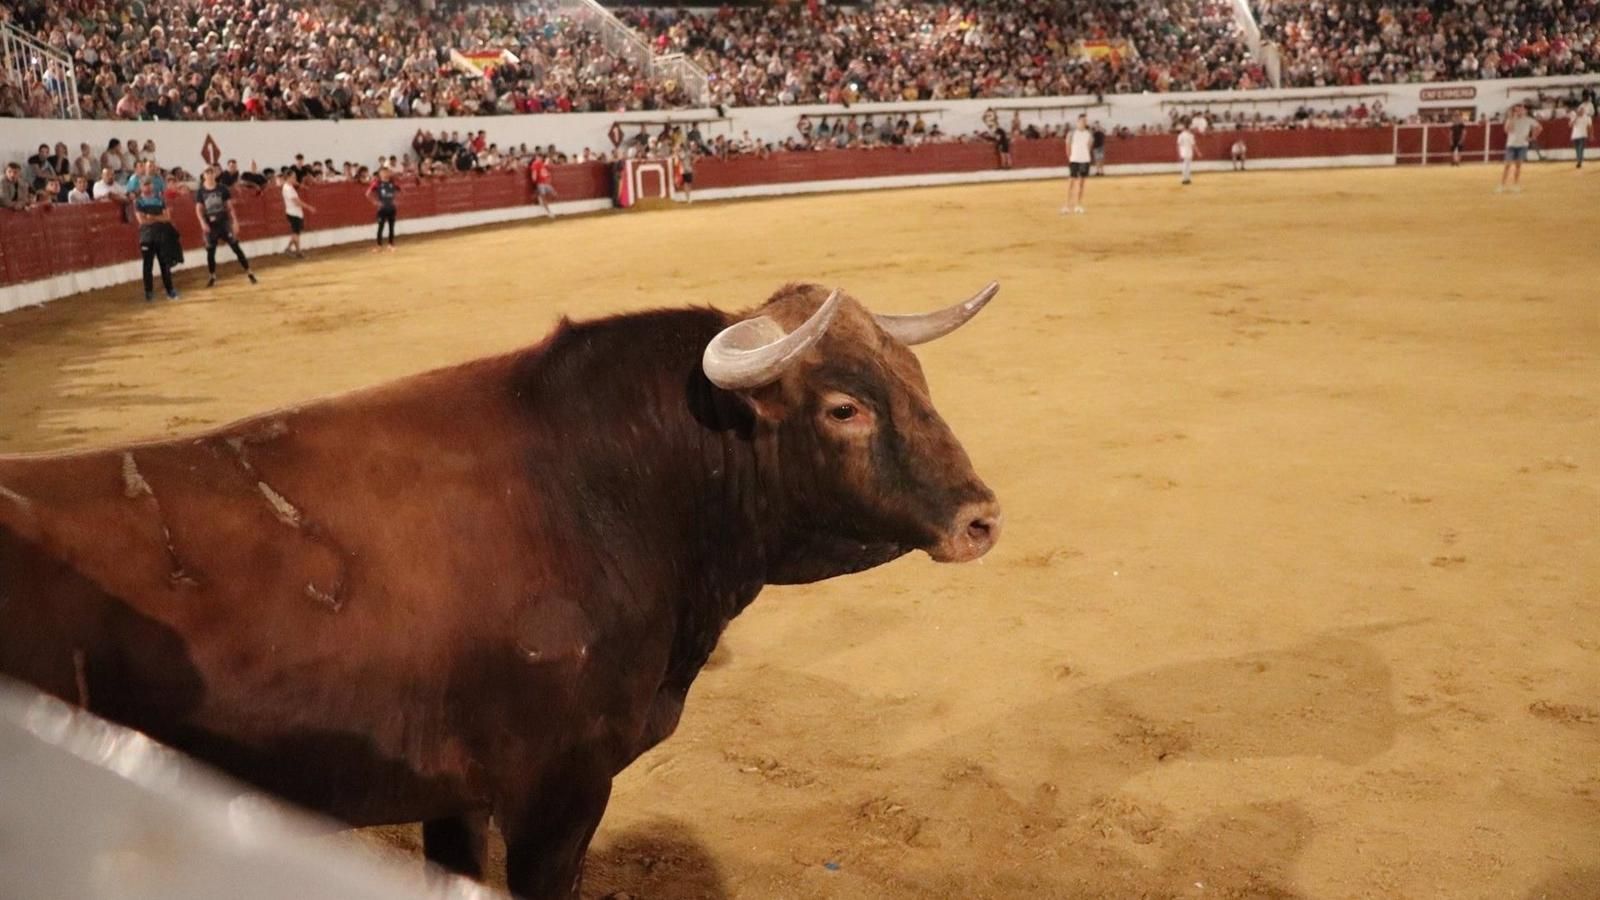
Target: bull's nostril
x,y
980,529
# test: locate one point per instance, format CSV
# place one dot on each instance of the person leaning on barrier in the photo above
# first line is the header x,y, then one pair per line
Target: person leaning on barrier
x,y
13,195
109,188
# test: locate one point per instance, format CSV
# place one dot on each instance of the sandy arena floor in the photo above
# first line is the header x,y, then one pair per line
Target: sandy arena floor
x,y
1298,595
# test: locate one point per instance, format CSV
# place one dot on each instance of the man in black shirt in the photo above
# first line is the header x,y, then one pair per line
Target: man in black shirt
x,y
213,206
230,176
1458,137
382,193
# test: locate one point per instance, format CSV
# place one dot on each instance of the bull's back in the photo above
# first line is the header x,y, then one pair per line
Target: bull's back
x,y
305,579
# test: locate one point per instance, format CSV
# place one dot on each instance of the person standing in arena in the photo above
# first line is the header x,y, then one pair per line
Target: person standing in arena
x,y
213,206
1521,130
543,186
294,209
1582,124
1080,155
156,237
1458,138
1239,152
1099,149
382,192
686,172
1002,145
1187,151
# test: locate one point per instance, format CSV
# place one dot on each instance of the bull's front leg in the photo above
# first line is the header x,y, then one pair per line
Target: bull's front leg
x,y
459,844
547,832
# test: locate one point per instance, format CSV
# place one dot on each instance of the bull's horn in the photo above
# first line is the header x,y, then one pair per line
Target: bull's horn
x,y
755,352
920,329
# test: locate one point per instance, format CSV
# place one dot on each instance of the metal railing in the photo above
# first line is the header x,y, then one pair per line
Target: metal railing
x,y
26,62
622,41
1265,52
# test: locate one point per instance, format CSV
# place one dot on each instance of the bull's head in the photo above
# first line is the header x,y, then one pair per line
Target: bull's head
x,y
848,435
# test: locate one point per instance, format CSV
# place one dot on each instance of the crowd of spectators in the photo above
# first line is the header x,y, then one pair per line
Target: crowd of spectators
x,y
261,59
268,59
804,53
1347,42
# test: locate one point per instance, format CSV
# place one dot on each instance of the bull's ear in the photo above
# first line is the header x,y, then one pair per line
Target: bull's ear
x,y
767,402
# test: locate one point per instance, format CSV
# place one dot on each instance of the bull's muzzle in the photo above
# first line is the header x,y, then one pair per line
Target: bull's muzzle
x,y
974,530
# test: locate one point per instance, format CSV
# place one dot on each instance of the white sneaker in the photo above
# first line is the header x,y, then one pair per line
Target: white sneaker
x,y
1065,210
1499,189
1516,189
1077,209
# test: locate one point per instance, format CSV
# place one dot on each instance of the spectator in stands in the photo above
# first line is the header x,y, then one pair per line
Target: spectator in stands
x,y
111,158
109,188
80,192
49,195
13,195
87,165
255,177
229,177
40,169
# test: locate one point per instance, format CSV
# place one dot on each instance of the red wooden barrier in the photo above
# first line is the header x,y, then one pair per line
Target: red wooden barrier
x,y
43,243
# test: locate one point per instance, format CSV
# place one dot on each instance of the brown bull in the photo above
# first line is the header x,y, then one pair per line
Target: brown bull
x,y
484,589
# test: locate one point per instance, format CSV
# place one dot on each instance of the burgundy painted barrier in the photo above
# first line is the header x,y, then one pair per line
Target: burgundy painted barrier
x,y
44,242
975,156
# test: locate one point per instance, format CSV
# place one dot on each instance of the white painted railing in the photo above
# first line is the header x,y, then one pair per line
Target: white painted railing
x,y
25,61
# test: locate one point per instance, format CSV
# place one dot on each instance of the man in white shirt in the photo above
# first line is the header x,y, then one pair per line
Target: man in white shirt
x,y
109,188
80,191
1199,123
1582,124
1187,151
294,209
1239,152
1521,129
1080,149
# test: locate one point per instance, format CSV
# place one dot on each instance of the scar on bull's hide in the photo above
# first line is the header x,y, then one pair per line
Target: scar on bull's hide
x,y
269,431
290,515
135,486
285,510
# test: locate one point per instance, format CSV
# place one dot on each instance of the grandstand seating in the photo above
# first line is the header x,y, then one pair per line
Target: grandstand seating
x,y
232,59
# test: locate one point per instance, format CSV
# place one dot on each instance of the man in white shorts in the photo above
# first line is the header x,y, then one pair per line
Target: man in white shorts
x,y
1521,129
1187,151
1080,153
1582,123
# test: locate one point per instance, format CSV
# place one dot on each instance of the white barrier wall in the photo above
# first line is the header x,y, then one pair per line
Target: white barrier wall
x,y
275,143
92,811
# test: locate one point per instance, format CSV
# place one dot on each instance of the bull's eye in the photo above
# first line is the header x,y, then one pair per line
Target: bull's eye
x,y
843,412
